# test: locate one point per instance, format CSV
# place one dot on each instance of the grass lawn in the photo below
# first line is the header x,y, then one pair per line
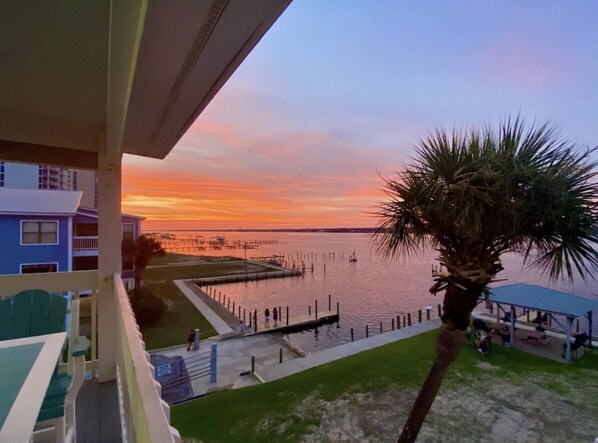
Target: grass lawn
x,y
181,315
196,271
367,387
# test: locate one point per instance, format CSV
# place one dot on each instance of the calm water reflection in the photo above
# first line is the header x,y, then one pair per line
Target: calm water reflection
x,y
370,291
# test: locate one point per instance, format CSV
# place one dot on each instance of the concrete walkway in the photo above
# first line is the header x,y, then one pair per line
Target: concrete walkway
x,y
274,372
215,320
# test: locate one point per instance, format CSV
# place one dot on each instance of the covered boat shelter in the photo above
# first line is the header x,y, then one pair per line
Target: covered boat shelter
x,y
546,300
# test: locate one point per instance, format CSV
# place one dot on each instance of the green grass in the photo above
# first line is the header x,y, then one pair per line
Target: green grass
x,y
181,315
234,415
202,270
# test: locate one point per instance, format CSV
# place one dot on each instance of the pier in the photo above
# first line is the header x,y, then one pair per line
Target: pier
x,y
299,322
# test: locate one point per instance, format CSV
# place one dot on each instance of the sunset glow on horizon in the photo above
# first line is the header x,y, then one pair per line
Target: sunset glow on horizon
x,y
300,134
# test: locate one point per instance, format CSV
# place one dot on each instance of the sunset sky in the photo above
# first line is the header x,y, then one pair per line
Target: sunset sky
x,y
338,91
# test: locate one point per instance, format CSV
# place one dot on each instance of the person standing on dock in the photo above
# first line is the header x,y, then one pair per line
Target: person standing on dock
x,y
267,318
275,316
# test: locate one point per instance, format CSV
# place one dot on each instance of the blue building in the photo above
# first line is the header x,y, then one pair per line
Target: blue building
x,y
47,231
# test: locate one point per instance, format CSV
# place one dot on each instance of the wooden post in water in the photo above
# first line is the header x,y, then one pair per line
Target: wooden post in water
x,y
255,320
228,305
367,331
239,311
243,315
338,309
380,327
392,323
324,268
419,316
329,302
398,322
316,308
409,319
309,310
428,309
250,316
287,315
233,307
351,334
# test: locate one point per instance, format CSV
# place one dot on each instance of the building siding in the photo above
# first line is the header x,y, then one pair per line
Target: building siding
x,y
13,254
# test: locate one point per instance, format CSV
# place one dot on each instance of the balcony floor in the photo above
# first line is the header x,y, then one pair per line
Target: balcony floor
x,y
98,418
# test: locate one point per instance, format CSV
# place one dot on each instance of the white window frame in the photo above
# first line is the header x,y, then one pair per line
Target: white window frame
x,y
40,244
122,231
38,264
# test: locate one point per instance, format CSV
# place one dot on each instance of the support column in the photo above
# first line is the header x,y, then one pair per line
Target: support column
x,y
512,328
568,342
590,332
109,255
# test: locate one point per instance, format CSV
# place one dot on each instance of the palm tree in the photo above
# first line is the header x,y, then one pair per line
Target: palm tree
x,y
141,251
473,195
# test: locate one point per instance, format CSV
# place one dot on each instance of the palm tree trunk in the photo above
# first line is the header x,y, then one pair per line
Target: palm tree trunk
x,y
457,307
448,346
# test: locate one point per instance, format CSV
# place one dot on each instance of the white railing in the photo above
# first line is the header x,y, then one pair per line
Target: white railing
x,y
85,243
79,285
145,417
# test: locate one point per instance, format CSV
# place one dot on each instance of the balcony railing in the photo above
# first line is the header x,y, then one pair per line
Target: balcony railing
x,y
144,415
85,243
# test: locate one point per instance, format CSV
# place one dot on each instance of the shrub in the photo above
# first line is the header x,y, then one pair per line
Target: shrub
x,y
147,307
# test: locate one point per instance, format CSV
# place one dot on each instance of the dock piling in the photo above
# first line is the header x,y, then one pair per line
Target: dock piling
x,y
419,316
233,307
309,309
352,334
380,327
392,323
255,320
409,318
329,302
287,315
316,308
398,322
367,331
338,311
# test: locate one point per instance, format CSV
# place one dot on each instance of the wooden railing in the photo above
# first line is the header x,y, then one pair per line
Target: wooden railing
x,y
85,243
145,417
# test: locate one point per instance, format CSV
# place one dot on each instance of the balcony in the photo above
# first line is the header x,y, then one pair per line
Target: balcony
x,y
143,415
85,246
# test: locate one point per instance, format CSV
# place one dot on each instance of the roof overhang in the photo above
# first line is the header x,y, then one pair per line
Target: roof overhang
x,y
129,75
543,299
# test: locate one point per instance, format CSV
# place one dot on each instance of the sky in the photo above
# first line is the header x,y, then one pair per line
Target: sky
x,y
337,94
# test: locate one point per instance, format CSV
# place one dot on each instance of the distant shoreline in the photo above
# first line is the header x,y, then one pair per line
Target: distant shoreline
x,y
328,230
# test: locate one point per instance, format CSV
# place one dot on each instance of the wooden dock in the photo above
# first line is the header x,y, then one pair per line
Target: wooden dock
x,y
299,322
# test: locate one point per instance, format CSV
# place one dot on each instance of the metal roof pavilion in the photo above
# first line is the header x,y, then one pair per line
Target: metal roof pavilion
x,y
543,299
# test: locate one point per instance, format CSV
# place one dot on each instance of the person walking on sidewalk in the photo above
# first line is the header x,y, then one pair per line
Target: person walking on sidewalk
x,y
191,340
275,316
267,318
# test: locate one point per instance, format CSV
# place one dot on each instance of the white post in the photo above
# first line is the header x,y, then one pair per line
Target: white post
x,y
568,343
109,255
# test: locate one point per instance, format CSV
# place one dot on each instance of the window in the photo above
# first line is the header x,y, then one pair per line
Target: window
x,y
39,232
40,267
128,231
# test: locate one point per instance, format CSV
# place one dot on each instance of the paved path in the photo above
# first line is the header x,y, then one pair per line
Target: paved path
x,y
274,372
215,320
